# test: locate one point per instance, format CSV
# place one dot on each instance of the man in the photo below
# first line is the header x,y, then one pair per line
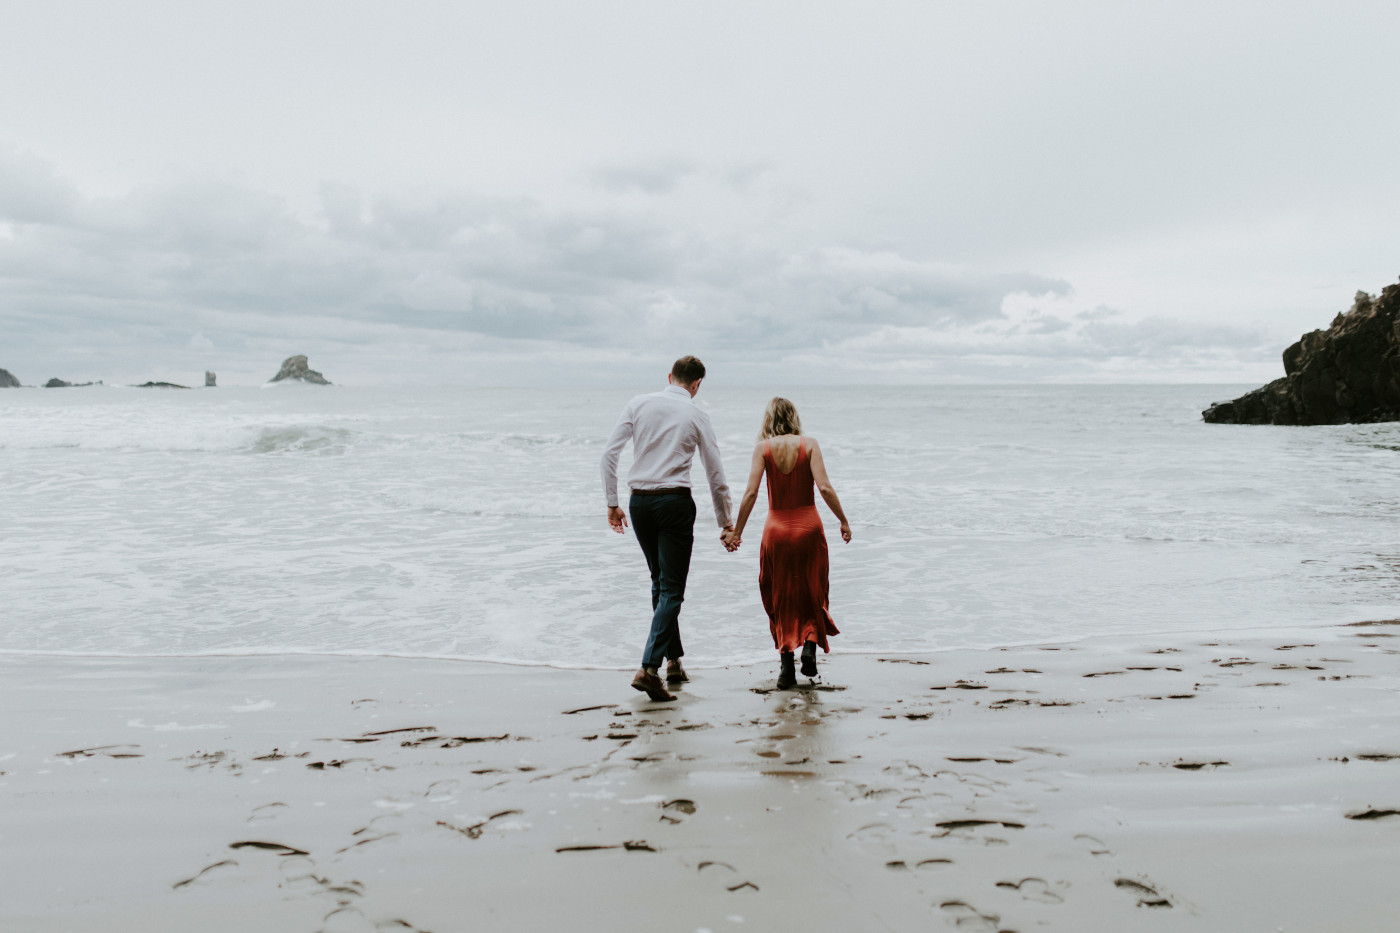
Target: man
x,y
666,429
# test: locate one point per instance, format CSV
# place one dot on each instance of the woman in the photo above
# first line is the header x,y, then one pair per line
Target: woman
x,y
792,560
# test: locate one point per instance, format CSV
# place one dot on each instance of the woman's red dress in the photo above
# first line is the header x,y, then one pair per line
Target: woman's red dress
x,y
792,560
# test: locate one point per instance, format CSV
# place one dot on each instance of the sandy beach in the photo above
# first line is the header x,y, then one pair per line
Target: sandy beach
x,y
1232,784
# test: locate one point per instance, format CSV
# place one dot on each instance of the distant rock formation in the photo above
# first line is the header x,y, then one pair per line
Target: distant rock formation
x,y
296,368
209,379
160,385
1347,374
7,380
56,383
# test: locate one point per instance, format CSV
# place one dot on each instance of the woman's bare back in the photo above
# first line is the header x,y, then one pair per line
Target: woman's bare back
x,y
784,448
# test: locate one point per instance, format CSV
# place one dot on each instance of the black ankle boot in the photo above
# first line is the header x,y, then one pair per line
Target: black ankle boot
x,y
787,677
809,659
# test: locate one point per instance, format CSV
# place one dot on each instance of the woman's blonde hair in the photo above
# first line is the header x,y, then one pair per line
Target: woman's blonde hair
x,y
780,417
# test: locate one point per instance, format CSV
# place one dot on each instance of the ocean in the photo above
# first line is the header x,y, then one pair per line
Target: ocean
x,y
470,523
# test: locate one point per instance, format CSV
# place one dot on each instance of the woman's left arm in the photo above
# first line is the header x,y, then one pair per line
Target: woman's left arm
x,y
825,488
734,538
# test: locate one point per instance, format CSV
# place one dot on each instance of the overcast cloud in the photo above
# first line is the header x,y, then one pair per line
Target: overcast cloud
x,y
494,193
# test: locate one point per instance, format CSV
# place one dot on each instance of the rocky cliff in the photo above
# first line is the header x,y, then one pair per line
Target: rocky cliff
x,y
1346,374
297,369
7,380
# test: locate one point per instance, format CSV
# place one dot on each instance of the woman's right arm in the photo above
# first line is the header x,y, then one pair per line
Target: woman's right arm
x,y
750,495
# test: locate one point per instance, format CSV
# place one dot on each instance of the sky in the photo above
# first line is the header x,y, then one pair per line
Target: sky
x,y
550,192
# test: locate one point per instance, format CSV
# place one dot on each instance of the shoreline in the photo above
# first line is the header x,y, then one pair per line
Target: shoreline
x,y
1291,630
1065,786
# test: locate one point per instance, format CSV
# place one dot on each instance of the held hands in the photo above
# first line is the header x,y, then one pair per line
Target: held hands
x,y
617,519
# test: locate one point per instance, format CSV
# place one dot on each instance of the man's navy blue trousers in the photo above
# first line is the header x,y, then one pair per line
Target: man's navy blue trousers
x,y
665,528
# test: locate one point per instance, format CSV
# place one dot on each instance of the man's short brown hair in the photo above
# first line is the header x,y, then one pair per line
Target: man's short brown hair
x,y
688,370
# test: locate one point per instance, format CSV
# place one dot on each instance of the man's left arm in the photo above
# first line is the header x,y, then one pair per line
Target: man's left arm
x,y
714,473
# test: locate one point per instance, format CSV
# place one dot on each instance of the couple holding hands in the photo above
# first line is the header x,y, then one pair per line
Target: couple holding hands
x,y
667,429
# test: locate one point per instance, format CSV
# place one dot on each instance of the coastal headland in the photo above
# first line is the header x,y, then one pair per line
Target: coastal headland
x,y
1174,783
1346,374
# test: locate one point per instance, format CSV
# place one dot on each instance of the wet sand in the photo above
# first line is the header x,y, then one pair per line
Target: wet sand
x,y
1233,784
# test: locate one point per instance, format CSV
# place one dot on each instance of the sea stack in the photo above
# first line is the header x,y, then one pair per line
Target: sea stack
x,y
7,380
209,379
296,369
1346,374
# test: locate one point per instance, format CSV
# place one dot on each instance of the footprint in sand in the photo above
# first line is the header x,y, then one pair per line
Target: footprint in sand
x,y
931,864
675,811
442,791
297,868
208,873
210,760
1095,845
475,830
346,920
973,831
927,807
725,875
872,832
1034,889
965,917
1041,750
276,848
876,839
377,829
1181,765
1146,894
106,751
905,769
267,811
923,865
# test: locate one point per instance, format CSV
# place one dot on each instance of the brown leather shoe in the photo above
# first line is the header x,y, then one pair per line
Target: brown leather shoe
x,y
675,674
651,685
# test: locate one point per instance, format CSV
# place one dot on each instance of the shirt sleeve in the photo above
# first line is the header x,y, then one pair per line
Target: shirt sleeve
x,y
714,471
621,434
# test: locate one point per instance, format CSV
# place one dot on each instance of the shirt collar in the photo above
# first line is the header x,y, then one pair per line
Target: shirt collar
x,y
679,390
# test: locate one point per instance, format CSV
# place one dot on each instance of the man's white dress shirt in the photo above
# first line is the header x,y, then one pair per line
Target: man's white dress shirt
x,y
666,429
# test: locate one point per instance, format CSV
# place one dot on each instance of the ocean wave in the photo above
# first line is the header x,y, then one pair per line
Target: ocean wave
x,y
469,526
302,439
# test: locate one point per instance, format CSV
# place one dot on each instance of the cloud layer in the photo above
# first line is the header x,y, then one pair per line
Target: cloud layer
x,y
802,188
447,284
